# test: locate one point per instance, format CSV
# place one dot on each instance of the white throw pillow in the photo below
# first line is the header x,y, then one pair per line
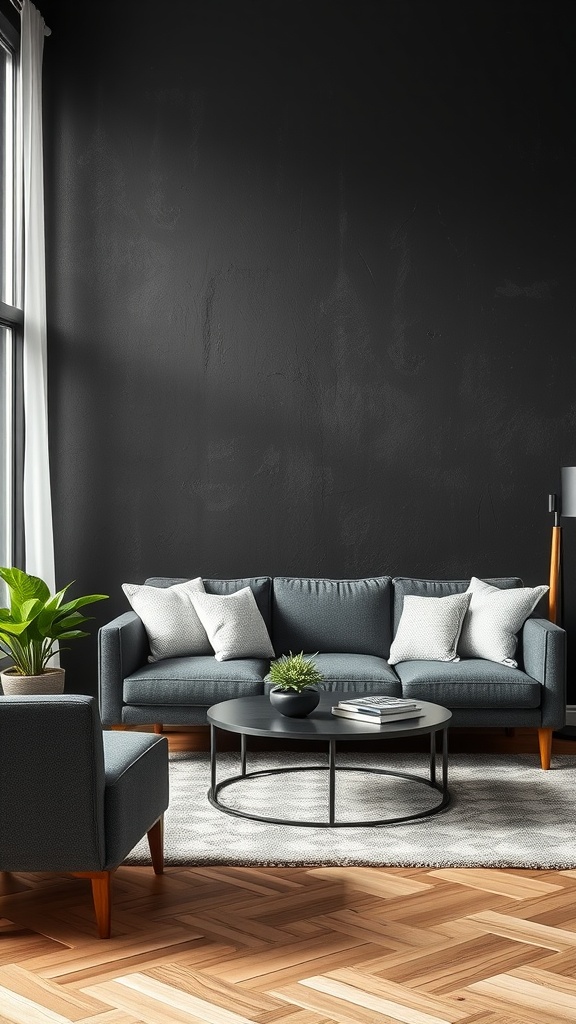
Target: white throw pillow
x,y
234,625
170,620
494,618
429,628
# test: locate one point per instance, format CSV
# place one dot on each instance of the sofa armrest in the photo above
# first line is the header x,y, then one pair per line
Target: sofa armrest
x,y
122,648
544,649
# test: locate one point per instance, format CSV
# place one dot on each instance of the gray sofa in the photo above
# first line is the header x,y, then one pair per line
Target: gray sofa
x,y
350,624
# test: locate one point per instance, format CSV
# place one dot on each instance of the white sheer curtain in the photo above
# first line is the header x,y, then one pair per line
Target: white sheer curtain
x,y
38,531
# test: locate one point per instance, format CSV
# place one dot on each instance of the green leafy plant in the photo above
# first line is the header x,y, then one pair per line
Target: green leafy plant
x,y
36,621
295,672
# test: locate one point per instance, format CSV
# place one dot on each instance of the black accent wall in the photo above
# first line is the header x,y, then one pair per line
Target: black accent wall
x,y
311,289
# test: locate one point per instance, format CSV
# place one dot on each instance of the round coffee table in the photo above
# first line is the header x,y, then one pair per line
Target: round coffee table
x,y
255,716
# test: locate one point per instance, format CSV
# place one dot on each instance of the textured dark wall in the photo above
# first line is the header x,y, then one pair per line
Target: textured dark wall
x,y
311,288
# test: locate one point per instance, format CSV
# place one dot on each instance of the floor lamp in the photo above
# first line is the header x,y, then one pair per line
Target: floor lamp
x,y
565,507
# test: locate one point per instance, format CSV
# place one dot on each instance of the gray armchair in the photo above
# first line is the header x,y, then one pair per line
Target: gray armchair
x,y
75,799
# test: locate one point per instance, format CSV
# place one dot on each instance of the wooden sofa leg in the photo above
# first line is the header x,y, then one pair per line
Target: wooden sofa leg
x,y
156,844
158,728
545,744
101,897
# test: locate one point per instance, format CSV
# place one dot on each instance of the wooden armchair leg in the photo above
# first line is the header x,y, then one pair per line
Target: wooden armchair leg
x,y
545,744
156,844
101,896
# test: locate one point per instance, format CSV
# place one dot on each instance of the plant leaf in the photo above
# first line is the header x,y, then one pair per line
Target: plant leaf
x,y
30,609
22,586
72,622
56,600
295,671
14,628
79,602
36,620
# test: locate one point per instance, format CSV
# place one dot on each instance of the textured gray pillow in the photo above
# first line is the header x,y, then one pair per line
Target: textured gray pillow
x,y
170,620
234,625
494,618
429,628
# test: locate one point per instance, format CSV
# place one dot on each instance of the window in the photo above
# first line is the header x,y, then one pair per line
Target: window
x,y
11,316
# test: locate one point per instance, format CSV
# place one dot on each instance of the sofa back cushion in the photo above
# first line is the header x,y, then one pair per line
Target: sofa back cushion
x,y
437,588
259,585
331,616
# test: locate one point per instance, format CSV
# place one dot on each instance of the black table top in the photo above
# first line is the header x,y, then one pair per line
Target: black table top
x,y
255,716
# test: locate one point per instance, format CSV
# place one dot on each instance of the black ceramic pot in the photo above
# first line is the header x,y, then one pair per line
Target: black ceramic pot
x,y
293,704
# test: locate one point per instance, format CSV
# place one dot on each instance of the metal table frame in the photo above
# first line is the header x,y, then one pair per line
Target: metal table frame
x,y
441,786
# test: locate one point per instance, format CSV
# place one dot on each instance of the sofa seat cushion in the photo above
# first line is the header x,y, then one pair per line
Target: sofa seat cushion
x,y
199,680
470,683
356,673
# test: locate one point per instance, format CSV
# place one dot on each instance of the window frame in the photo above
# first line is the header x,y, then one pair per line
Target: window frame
x,y
12,318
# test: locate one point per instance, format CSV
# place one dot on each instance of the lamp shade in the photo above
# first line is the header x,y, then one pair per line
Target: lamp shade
x,y
568,504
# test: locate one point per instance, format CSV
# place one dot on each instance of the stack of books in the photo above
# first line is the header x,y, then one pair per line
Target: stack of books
x,y
377,710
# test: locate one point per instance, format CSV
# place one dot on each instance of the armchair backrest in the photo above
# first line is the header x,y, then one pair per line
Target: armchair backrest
x,y
51,784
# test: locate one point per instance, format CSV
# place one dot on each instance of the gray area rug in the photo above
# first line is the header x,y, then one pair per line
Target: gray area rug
x,y
505,812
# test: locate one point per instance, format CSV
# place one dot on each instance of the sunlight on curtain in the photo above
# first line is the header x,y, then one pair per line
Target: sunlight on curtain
x,y
6,295
6,447
37,498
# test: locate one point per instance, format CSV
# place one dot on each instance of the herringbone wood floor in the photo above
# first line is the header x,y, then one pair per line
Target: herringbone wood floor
x,y
292,946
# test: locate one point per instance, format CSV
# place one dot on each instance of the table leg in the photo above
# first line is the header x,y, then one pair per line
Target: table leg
x,y
243,754
445,762
433,757
213,759
332,780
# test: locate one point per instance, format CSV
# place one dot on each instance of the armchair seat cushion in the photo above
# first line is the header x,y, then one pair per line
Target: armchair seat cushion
x,y
199,680
470,683
136,789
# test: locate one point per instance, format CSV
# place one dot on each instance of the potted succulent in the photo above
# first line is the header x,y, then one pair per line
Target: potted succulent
x,y
31,630
295,678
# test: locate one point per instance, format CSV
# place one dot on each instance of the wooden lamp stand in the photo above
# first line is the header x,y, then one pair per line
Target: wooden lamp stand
x,y
554,593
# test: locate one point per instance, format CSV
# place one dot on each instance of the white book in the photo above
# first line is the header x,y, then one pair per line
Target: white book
x,y
375,712
377,700
379,719
394,707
